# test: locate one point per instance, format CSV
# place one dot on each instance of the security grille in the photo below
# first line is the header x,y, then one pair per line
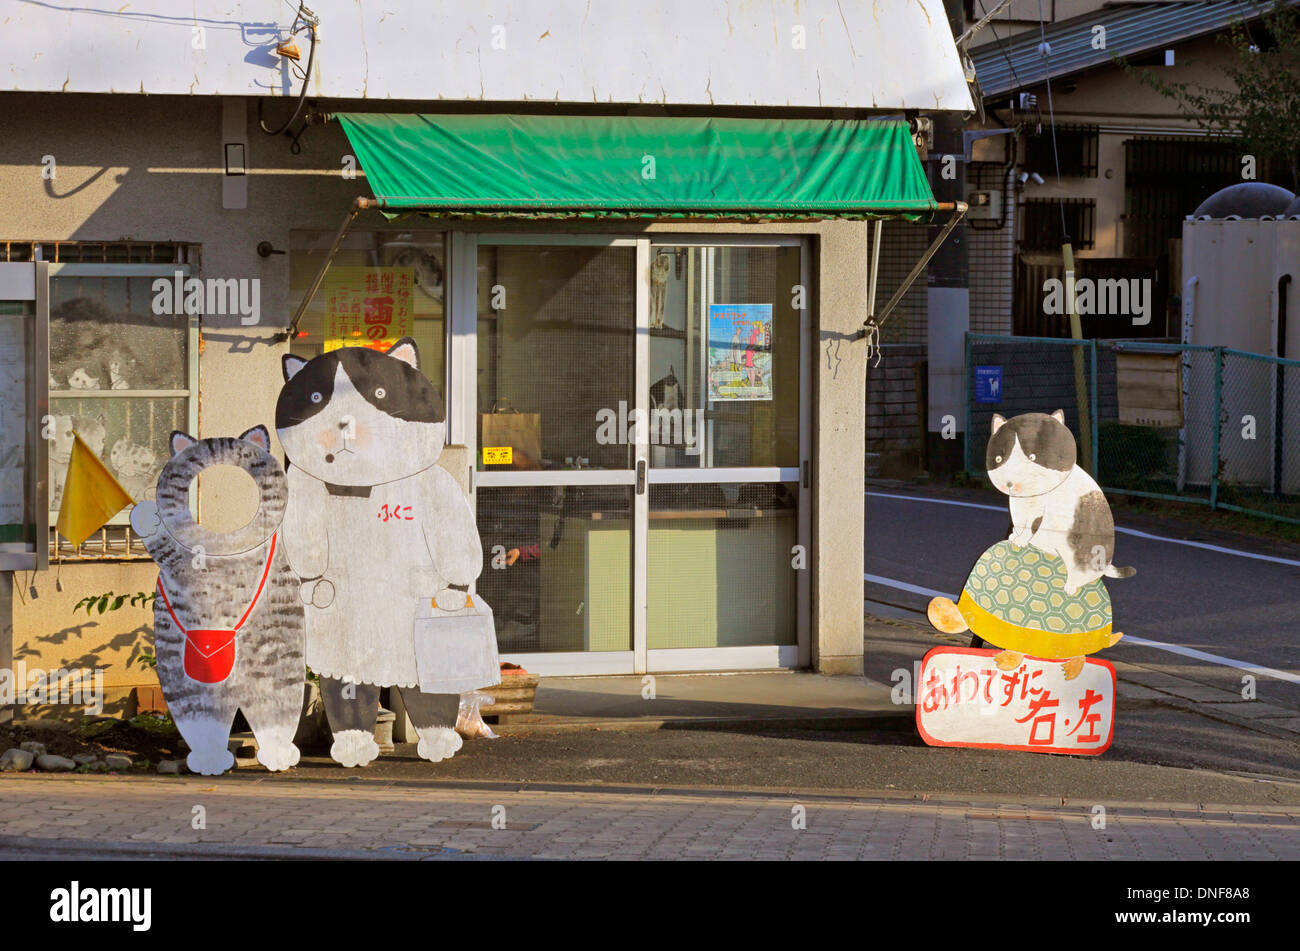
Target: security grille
x,y
1042,223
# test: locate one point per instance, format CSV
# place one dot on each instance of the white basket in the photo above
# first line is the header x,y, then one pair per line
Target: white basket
x,y
456,651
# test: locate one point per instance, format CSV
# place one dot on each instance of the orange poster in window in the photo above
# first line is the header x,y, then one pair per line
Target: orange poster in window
x,y
367,306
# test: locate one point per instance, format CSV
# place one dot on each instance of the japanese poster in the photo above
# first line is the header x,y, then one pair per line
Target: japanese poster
x,y
964,699
740,352
367,306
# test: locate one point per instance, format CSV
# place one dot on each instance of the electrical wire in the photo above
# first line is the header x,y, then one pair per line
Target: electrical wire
x,y
294,29
1005,55
1051,116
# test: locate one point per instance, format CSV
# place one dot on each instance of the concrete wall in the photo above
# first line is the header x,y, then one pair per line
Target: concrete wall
x,y
149,169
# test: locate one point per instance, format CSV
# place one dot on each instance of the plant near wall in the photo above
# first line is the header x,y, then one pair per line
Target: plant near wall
x,y
1262,110
110,601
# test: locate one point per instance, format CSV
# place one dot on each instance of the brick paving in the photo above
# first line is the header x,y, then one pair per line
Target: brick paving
x,y
389,820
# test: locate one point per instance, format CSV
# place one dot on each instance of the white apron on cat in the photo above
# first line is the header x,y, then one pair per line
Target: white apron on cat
x,y
381,569
373,524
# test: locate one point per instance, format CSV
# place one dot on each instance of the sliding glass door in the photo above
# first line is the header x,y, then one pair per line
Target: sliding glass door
x,y
726,573
639,437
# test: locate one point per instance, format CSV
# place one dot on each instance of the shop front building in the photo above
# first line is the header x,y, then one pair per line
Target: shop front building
x,y
646,328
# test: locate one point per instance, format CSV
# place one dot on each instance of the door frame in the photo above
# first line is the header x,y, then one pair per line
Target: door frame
x,y
30,281
462,406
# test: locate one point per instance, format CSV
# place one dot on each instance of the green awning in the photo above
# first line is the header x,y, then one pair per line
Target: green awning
x,y
635,166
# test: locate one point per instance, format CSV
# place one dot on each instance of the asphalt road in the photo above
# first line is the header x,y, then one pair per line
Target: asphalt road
x,y
1243,608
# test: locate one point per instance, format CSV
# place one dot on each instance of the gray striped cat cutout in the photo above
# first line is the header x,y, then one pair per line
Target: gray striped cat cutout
x,y
228,622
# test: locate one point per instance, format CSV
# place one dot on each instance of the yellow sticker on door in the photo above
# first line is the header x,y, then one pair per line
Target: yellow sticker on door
x,y
498,455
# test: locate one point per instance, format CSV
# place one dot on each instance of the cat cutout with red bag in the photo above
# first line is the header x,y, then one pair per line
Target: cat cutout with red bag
x,y
228,622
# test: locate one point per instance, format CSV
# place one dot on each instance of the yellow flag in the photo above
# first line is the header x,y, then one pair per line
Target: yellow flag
x,y
91,496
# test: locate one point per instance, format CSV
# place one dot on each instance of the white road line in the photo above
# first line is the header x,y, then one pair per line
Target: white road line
x,y
1128,639
1213,658
904,586
922,498
1123,531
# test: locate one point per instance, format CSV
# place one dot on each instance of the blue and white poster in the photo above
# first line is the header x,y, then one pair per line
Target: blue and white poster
x,y
740,352
988,384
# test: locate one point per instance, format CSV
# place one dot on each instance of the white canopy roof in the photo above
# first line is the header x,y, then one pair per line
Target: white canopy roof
x,y
881,54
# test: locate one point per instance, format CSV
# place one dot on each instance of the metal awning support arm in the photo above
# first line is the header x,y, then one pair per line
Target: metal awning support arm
x,y
871,326
358,205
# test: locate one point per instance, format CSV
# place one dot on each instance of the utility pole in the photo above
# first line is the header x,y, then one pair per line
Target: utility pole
x,y
948,289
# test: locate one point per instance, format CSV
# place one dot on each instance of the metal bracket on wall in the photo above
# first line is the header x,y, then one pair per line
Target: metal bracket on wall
x,y
970,136
358,205
871,326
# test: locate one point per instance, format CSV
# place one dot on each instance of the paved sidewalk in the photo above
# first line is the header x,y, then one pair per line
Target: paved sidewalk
x,y
91,817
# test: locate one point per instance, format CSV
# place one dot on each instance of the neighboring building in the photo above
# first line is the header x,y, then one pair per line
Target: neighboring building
x,y
1131,169
133,154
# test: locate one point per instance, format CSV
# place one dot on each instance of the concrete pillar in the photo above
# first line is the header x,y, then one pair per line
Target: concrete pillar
x,y
839,441
7,581
948,305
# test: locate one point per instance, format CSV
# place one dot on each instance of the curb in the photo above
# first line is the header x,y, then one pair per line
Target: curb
x,y
901,719
212,851
884,796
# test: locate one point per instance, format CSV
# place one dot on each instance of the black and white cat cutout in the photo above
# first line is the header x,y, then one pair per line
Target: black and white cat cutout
x,y
228,622
377,531
1055,505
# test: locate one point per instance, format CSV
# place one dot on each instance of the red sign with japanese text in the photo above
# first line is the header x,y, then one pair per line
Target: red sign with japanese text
x,y
367,306
964,699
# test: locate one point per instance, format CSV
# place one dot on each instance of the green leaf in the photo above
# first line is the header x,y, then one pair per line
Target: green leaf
x,y
103,604
117,602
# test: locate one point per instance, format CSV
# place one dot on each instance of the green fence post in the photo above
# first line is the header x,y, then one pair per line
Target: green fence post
x,y
1218,425
1096,473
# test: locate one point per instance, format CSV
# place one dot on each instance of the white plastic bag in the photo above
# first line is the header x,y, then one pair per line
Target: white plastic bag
x,y
469,720
456,650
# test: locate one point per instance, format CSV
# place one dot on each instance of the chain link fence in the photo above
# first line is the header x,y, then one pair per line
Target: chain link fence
x,y
1235,445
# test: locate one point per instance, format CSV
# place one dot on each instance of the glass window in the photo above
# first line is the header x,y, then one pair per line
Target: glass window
x,y
724,356
380,287
557,566
556,352
718,565
119,378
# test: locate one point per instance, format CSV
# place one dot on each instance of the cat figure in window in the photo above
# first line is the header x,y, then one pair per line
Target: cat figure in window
x,y
659,271
228,624
134,467
93,348
374,528
427,275
666,392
